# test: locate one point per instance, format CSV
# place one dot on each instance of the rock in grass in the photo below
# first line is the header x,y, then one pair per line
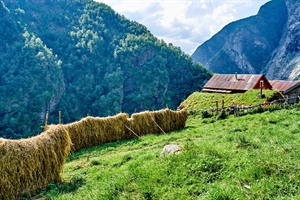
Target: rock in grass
x,y
171,149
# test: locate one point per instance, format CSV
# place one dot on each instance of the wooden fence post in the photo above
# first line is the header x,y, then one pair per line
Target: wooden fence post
x,y
223,105
59,117
46,121
261,89
236,111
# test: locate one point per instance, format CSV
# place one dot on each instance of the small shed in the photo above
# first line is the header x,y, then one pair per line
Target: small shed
x,y
236,83
290,89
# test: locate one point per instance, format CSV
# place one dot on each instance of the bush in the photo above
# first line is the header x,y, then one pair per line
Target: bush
x,y
222,115
206,114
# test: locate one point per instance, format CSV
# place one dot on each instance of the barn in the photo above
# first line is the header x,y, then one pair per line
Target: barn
x,y
290,89
236,83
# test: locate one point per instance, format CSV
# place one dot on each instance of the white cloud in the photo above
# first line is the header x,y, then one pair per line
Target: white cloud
x,y
185,23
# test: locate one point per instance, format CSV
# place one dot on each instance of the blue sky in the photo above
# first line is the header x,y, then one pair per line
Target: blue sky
x,y
185,23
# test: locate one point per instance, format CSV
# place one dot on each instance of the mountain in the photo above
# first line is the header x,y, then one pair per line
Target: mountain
x,y
82,58
268,42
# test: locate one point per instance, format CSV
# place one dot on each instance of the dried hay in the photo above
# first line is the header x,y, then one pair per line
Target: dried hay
x,y
162,118
93,131
27,165
170,120
178,119
30,164
143,123
157,121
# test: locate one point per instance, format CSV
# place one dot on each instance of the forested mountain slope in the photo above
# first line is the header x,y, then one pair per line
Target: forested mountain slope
x,y
82,58
265,43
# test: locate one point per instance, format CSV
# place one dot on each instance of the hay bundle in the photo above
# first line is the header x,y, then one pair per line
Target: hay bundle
x,y
143,123
93,131
27,165
162,118
30,164
156,122
76,130
178,119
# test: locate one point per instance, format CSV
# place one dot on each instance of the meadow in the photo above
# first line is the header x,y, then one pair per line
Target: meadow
x,y
249,157
199,101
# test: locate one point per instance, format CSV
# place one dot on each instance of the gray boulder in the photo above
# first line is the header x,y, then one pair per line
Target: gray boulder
x,y
171,149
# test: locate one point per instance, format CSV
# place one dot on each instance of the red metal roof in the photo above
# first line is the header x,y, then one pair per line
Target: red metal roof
x,y
283,85
237,82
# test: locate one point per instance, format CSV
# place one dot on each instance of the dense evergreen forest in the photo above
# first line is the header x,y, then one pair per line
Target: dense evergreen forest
x,y
82,58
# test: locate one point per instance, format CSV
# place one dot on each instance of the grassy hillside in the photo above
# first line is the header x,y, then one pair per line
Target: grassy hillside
x,y
251,157
202,101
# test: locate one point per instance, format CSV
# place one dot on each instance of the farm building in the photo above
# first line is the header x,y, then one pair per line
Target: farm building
x,y
236,83
290,89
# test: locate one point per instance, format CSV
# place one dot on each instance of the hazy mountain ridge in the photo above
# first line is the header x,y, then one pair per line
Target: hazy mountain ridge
x,y
264,43
82,58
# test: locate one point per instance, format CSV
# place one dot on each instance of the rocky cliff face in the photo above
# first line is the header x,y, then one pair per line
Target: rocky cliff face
x,y
285,59
265,43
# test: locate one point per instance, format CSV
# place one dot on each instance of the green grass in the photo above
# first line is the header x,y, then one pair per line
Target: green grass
x,y
251,157
202,101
